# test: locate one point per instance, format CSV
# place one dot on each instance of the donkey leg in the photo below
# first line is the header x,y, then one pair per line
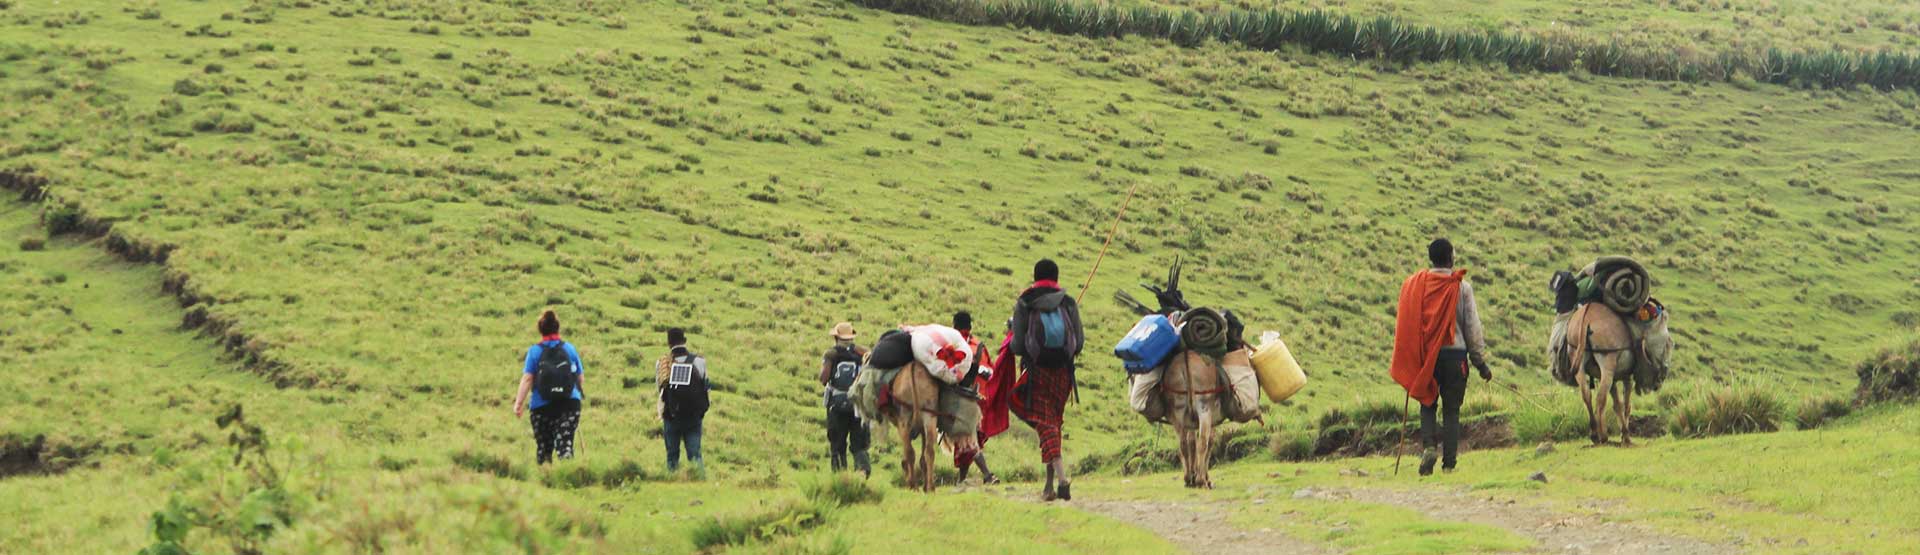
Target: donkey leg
x,y
927,444
1605,388
1205,450
906,452
1586,395
1583,377
1627,410
1625,402
1180,441
1186,450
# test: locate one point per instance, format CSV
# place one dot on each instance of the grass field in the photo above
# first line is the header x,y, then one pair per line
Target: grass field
x,y
362,206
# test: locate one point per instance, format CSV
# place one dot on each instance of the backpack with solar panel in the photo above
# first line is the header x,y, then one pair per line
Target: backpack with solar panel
x,y
685,391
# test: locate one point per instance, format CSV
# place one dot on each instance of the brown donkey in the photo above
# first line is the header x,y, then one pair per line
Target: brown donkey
x,y
1191,388
1601,344
916,399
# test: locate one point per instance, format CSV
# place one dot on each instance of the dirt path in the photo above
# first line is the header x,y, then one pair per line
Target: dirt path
x,y
1201,526
1553,532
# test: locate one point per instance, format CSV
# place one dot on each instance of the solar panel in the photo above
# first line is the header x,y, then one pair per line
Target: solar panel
x,y
680,374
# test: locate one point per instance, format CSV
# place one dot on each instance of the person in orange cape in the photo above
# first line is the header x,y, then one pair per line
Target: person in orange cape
x,y
1436,334
995,384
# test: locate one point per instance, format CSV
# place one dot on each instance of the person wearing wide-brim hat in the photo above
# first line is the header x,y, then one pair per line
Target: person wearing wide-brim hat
x,y
838,369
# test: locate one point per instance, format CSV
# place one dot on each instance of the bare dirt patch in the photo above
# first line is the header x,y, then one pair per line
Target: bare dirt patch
x,y
1555,532
1200,527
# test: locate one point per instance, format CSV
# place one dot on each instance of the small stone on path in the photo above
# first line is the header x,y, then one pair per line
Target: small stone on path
x,y
1303,493
1538,477
1545,448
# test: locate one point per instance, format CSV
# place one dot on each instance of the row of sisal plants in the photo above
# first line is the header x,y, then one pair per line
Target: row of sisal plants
x,y
1387,38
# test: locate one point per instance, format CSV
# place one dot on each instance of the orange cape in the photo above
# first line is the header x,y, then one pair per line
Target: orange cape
x,y
1422,326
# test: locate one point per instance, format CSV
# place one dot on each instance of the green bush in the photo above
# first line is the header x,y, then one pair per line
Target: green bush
x,y
1723,412
841,490
31,244
1291,446
1532,426
1891,375
61,218
1816,412
487,463
786,519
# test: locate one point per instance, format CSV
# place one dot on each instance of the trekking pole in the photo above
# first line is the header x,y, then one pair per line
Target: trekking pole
x,y
1401,449
1117,216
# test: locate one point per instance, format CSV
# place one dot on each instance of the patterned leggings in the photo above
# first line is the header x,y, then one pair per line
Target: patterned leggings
x,y
1041,401
553,431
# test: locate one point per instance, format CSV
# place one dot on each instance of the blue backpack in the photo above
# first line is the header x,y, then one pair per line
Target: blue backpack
x,y
1053,333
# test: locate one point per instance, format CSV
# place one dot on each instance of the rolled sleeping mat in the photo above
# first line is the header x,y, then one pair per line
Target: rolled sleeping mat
x,y
1204,330
1624,283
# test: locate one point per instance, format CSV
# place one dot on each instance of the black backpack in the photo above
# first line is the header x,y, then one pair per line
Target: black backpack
x,y
553,376
685,393
1053,332
846,368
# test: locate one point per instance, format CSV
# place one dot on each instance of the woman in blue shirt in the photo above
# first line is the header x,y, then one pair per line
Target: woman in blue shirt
x,y
554,420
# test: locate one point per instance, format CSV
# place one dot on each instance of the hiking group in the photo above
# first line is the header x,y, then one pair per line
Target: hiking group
x,y
941,383
552,383
1187,366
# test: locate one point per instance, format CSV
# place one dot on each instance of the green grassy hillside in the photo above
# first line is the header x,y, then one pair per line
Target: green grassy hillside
x,y
364,205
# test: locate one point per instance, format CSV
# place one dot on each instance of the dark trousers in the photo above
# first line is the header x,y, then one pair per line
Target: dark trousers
x,y
844,431
1450,373
679,434
553,427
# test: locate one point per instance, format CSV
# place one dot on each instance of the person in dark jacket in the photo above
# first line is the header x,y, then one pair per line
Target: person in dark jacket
x,y
554,420
845,430
683,406
1047,338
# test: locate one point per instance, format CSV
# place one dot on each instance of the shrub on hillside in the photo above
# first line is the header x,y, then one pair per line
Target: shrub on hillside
x,y
782,520
1723,412
1891,375
1816,412
574,474
1533,425
487,463
1291,446
841,490
32,244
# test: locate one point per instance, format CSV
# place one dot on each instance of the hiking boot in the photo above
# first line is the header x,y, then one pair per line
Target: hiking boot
x,y
1066,492
989,479
1428,458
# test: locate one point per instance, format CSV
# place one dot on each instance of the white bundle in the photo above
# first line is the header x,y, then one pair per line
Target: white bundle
x,y
929,340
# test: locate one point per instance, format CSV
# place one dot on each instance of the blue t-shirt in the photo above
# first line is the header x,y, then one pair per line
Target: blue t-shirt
x,y
533,366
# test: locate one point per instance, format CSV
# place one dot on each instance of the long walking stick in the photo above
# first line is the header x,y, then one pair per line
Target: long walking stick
x,y
1117,216
1401,449
1115,229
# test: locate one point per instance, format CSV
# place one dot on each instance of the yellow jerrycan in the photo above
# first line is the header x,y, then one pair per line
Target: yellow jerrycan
x,y
1279,374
